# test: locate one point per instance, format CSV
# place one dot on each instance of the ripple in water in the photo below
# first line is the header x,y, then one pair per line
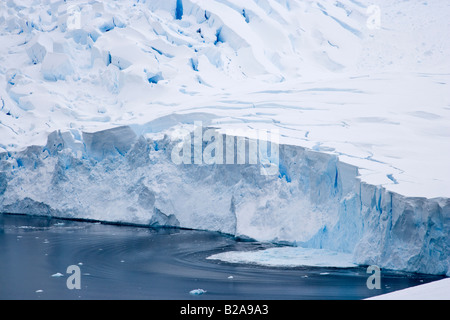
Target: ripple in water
x,y
123,262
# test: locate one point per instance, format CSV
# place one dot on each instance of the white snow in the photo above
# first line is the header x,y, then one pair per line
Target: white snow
x,y
436,290
93,94
289,257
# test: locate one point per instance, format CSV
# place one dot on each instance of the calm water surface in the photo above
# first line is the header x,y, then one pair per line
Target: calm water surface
x,y
125,262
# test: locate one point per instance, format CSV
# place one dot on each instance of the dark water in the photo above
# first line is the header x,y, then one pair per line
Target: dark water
x,y
123,262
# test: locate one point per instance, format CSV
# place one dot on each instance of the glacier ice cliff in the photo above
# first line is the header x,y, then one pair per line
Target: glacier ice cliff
x,y
126,174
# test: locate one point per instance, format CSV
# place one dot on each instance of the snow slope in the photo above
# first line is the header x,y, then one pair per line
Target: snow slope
x,y
437,290
93,94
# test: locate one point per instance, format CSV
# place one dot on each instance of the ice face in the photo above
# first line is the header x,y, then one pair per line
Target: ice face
x,y
315,201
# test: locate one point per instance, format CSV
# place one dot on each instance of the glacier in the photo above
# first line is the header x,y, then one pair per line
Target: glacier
x,y
316,201
94,96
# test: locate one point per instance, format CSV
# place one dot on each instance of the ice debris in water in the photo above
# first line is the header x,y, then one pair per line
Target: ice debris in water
x,y
58,274
197,292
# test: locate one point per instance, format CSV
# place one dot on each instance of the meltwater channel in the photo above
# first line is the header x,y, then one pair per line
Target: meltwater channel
x,y
131,262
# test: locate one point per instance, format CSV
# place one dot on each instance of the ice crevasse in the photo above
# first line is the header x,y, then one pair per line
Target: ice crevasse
x,y
126,174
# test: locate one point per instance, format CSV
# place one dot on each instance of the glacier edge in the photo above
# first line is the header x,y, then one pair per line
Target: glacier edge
x,y
316,201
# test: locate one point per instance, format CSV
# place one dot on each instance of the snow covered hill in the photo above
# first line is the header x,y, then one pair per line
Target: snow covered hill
x,y
93,93
437,290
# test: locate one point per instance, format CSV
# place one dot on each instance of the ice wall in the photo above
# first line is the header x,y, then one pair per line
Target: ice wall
x,y
126,174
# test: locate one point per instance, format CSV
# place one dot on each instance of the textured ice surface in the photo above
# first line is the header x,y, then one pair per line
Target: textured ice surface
x,y
56,66
376,97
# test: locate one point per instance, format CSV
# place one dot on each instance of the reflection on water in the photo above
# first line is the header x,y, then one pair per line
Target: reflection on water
x,y
124,262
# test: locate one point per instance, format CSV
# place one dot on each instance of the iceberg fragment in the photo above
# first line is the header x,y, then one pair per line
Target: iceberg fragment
x,y
36,52
197,292
57,275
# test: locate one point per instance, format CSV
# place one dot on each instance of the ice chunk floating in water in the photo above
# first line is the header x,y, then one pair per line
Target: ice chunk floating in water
x,y
289,257
57,275
197,292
